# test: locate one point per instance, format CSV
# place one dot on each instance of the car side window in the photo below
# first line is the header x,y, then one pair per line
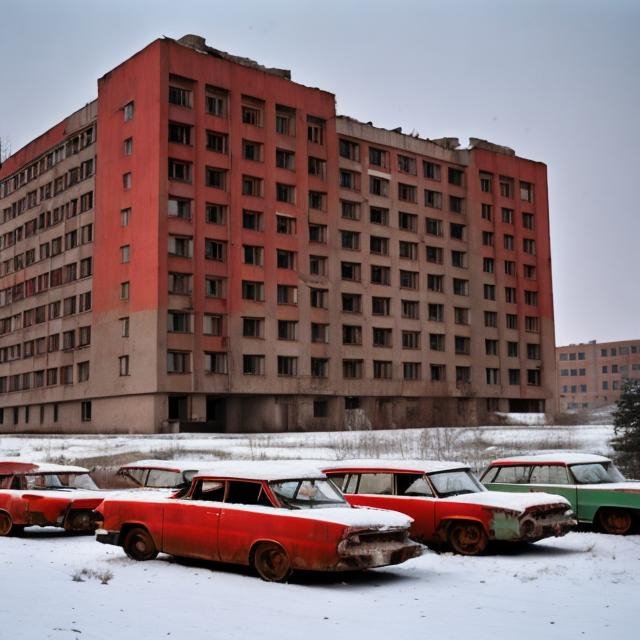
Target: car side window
x,y
549,474
338,479
518,474
241,492
351,484
162,478
138,476
209,490
412,484
376,483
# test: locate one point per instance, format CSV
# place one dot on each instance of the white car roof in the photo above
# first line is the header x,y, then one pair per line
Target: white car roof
x,y
262,469
167,465
417,466
566,458
39,467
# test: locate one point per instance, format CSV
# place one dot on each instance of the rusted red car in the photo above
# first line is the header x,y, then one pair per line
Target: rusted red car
x,y
274,517
44,494
448,505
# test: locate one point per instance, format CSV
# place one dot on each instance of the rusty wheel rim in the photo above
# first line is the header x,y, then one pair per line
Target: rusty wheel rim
x,y
6,524
468,539
271,562
616,521
139,545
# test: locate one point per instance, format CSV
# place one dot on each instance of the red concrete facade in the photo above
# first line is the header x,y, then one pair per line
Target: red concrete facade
x,y
261,264
591,375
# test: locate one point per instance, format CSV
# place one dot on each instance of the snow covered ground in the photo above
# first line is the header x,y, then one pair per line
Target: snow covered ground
x,y
584,585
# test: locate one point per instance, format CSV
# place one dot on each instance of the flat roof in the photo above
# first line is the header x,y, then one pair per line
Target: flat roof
x,y
269,470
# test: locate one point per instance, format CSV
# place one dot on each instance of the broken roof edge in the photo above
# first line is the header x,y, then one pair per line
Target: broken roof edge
x,y
198,43
446,143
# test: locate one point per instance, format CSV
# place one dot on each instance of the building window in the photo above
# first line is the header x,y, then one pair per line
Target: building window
x,y
510,295
85,411
124,253
253,290
506,187
533,377
285,193
127,181
287,330
509,242
380,306
510,267
287,294
408,279
381,337
253,327
252,111
253,255
319,298
179,208
216,178
486,182
179,170
127,146
319,332
532,324
526,191
528,220
378,186
179,96
317,167
285,120
491,319
460,287
435,312
252,186
382,369
378,157
252,150
351,334
507,215
488,265
433,199
318,265
408,221
349,150
407,193
216,362
124,291
180,246
378,215
486,211
456,204
123,365
436,341
125,216
287,366
350,271
492,375
315,130
253,365
380,275
352,369
179,322
251,220
217,142
214,250
434,227
489,291
410,339
178,361
512,321
215,213
514,376
318,200
285,159
491,347
438,372
431,170
487,238
179,133
350,240
529,246
435,282
128,110
319,369
180,283
216,101
214,287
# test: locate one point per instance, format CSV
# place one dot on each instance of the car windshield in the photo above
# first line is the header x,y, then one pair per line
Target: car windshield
x,y
454,483
597,473
60,481
307,494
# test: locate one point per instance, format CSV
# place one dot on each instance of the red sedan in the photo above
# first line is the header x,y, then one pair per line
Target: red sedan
x,y
45,494
275,517
448,505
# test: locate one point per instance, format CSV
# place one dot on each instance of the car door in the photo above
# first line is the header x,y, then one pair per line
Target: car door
x,y
190,526
554,478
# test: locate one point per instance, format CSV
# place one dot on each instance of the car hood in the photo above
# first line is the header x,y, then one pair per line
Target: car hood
x,y
513,501
357,517
65,493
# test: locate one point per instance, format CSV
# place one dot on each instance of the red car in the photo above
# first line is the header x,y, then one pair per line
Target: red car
x,y
274,517
448,505
45,494
157,474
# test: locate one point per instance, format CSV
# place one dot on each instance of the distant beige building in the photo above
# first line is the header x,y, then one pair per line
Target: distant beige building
x,y
208,246
591,375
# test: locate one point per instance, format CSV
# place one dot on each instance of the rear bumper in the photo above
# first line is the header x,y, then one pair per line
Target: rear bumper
x,y
382,555
108,537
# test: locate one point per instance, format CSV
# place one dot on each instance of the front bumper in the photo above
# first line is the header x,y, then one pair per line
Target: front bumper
x,y
108,537
368,556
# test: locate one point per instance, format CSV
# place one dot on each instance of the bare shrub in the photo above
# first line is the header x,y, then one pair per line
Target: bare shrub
x,y
82,575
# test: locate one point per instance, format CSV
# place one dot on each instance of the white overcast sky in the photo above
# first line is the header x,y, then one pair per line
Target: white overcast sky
x,y
558,80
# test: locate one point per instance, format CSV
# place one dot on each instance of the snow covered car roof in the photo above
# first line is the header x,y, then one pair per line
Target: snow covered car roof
x,y
269,470
415,466
561,458
167,465
21,467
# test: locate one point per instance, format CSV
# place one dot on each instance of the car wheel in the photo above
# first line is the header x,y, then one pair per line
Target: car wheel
x,y
6,524
271,562
139,545
79,520
616,521
467,538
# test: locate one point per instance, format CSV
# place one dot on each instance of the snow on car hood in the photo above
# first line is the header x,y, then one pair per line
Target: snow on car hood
x,y
514,501
624,487
364,518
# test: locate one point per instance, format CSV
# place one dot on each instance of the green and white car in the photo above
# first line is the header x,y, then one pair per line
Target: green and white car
x,y
597,491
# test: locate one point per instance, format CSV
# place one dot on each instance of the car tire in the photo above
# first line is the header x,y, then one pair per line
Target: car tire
x,y
467,538
271,562
139,545
6,524
615,521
